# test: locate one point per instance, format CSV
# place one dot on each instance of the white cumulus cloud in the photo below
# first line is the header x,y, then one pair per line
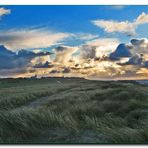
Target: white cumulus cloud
x,y
126,27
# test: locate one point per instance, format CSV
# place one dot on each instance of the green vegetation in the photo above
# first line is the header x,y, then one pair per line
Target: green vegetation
x,y
72,110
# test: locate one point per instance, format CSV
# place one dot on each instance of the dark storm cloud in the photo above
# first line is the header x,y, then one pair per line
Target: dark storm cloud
x,y
54,71
66,70
44,65
11,60
121,51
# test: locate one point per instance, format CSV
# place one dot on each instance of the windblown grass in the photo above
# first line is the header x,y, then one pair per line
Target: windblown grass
x,y
73,111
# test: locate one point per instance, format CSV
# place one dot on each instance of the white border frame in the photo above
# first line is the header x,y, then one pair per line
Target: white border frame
x,y
73,2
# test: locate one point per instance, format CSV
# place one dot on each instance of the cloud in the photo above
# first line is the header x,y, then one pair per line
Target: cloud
x,y
96,58
4,11
146,64
88,52
54,71
84,36
43,65
41,60
114,26
137,41
91,60
139,46
99,48
66,70
124,61
126,27
30,38
121,51
135,47
22,59
135,60
138,52
15,72
64,54
16,39
142,19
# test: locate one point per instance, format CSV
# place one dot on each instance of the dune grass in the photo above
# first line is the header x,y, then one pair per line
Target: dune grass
x,y
73,111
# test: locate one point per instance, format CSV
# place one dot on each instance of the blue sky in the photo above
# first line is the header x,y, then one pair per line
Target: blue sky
x,y
73,19
102,42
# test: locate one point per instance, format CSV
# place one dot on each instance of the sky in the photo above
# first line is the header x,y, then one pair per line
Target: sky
x,y
94,42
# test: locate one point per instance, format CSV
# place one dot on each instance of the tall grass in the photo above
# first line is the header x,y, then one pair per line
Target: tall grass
x,y
112,112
